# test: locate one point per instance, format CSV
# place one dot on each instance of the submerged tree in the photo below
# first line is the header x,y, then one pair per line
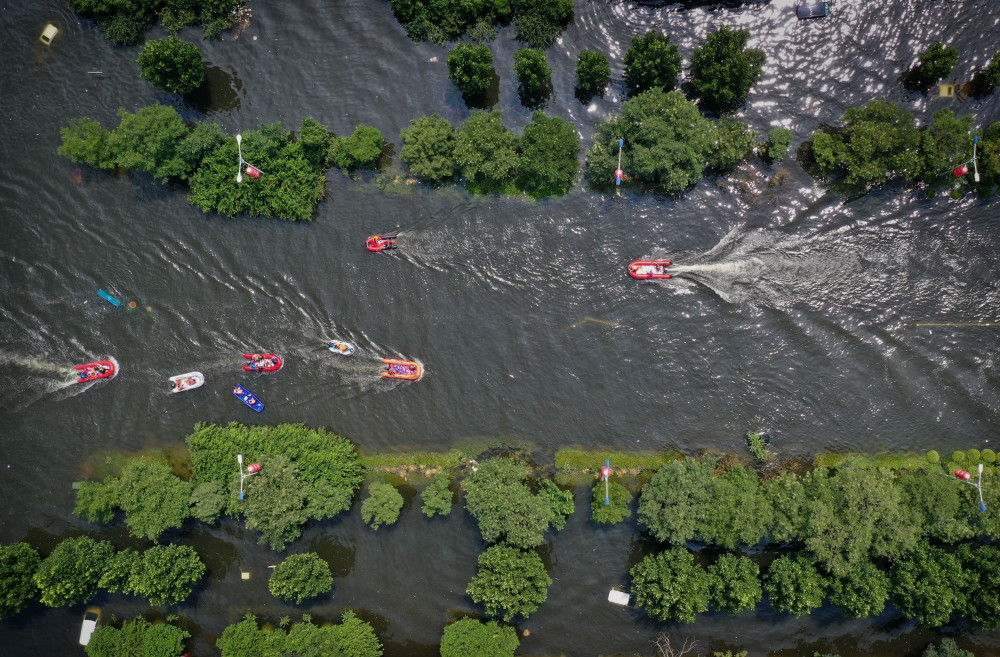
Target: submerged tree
x,y
299,577
735,584
429,149
592,73
71,573
935,63
172,65
470,67
667,143
18,564
137,636
671,586
533,71
382,506
486,152
361,150
468,636
550,148
651,63
510,582
437,497
723,69
540,22
794,585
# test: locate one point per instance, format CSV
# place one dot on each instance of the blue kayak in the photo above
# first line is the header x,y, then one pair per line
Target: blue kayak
x,y
248,398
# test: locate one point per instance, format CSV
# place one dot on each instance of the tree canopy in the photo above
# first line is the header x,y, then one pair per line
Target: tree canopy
x,y
734,586
651,63
382,506
540,22
137,638
667,143
671,586
165,574
429,149
550,148
486,152
468,636
592,73
18,564
510,582
299,577
71,573
470,67
172,65
723,69
533,70
352,637
794,585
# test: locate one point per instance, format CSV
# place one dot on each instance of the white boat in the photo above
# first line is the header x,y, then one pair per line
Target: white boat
x,y
188,381
341,347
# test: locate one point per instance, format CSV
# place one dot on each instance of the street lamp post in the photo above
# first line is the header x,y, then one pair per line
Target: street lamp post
x,y
244,475
963,477
239,178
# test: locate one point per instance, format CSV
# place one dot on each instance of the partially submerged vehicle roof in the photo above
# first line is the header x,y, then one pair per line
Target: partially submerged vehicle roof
x,y
90,619
813,10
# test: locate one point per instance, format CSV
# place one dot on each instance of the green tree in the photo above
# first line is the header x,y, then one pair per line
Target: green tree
x,y
437,497
862,591
359,151
86,141
794,585
208,500
70,574
927,585
510,582
667,142
356,638
246,639
147,141
153,498
778,141
671,586
989,155
299,577
137,638
739,510
734,584
172,65
539,22
314,138
723,69
470,67
947,648
275,502
981,602
592,73
202,140
429,149
96,501
987,79
651,63
935,507
468,636
533,71
676,503
878,142
620,500
550,150
486,152
853,515
947,142
935,63
18,564
382,506
498,497
787,496
165,574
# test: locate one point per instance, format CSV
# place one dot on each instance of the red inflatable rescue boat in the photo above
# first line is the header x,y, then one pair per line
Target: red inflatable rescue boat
x,y
408,370
380,242
99,369
262,363
649,269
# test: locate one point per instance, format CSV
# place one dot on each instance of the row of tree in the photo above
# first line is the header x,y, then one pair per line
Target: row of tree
x,y
538,23
881,142
125,22
155,140
78,567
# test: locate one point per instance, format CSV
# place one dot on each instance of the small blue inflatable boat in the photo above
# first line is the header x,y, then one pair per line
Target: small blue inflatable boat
x,y
248,398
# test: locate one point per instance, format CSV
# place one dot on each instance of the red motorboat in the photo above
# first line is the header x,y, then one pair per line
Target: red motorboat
x,y
408,370
99,369
262,363
380,242
649,269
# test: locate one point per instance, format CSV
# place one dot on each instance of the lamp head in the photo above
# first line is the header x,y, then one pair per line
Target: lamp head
x,y
980,468
239,458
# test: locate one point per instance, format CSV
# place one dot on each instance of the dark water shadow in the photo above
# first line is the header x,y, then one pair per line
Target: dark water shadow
x,y
220,91
489,98
536,99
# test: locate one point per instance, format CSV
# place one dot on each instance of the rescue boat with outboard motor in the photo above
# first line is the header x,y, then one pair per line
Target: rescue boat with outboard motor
x,y
381,243
188,381
407,370
649,269
99,369
263,363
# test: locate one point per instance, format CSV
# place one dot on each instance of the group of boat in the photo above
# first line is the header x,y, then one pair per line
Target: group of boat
x,y
643,269
406,370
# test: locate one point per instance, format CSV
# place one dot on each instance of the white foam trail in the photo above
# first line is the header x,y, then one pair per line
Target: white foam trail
x,y
35,365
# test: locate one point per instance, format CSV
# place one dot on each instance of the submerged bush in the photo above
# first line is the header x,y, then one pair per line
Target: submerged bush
x,y
382,506
299,577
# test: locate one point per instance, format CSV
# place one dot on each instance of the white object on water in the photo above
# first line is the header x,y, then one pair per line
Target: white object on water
x,y
188,381
618,597
48,34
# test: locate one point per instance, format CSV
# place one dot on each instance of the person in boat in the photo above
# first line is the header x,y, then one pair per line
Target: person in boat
x,y
251,400
99,369
255,359
238,390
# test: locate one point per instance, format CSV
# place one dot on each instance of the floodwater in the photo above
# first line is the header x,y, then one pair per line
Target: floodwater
x,y
791,309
